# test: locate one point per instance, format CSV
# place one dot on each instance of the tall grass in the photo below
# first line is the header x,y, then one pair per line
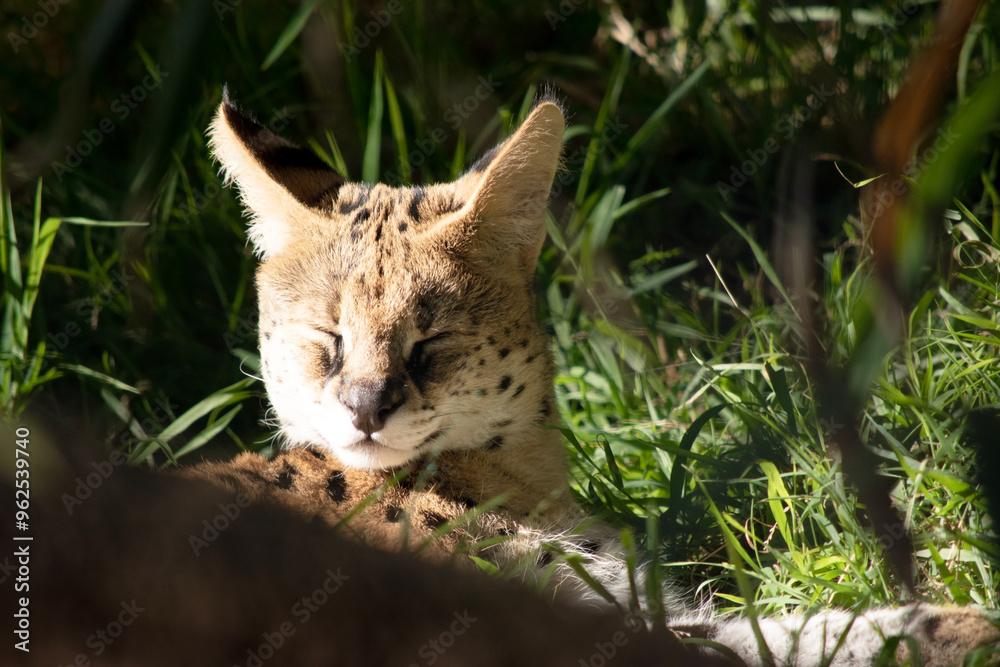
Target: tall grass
x,y
689,413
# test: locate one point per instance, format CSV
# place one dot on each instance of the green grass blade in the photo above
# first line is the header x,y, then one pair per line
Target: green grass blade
x,y
398,130
291,32
373,140
234,393
658,117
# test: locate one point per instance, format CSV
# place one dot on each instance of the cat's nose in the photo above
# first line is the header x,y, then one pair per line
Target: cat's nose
x,y
372,402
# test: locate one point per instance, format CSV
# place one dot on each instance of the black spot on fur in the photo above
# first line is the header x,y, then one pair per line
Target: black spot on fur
x,y
254,477
393,513
491,340
494,443
336,486
543,416
433,520
286,478
267,335
931,626
529,359
482,362
504,423
503,352
414,209
403,227
505,383
346,206
361,217
446,205
524,343
318,454
518,391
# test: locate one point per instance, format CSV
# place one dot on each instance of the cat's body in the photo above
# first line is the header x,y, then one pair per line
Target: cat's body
x,y
398,330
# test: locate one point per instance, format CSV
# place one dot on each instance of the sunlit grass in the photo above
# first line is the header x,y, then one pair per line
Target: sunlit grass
x,y
689,414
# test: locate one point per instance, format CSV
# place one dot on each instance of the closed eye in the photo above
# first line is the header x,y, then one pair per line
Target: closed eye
x,y
331,355
328,332
420,347
418,366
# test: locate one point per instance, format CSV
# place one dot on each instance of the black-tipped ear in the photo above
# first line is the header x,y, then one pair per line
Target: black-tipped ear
x,y
305,176
285,188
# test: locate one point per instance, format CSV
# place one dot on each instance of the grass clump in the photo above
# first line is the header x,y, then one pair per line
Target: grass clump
x,y
690,411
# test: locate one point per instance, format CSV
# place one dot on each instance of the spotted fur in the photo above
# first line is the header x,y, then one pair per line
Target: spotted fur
x,y
413,384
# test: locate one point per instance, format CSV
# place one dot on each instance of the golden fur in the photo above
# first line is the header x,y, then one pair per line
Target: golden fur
x,y
413,384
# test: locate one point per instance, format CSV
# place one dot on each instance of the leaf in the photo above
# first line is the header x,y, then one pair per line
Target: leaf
x,y
373,142
232,394
657,280
658,117
761,257
209,433
90,222
398,130
291,31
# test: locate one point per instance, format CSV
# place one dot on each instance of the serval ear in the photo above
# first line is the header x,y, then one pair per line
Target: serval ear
x,y
507,191
282,186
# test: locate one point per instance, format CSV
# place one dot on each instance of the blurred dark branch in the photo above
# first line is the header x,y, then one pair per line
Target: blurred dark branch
x,y
908,120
